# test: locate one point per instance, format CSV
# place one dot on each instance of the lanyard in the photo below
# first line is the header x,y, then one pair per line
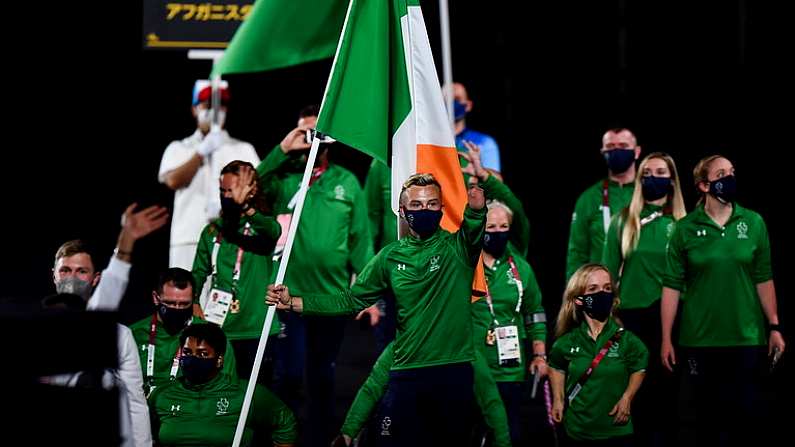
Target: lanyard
x,y
594,363
238,259
150,353
606,205
518,281
651,217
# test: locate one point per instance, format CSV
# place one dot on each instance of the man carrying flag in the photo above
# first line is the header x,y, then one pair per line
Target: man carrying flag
x,y
429,396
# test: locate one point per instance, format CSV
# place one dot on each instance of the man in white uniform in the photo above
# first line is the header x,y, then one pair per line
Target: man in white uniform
x,y
191,167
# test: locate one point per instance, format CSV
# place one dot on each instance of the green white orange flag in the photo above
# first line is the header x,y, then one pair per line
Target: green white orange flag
x,y
383,97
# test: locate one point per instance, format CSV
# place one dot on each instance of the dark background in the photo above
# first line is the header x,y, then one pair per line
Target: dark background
x,y
93,112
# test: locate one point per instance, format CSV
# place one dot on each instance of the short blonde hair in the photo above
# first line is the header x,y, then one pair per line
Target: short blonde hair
x,y
419,180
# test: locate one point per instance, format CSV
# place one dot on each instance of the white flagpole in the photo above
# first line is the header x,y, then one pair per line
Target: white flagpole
x,y
447,59
288,247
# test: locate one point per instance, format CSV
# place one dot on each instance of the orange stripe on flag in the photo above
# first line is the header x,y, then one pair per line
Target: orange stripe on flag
x,y
443,163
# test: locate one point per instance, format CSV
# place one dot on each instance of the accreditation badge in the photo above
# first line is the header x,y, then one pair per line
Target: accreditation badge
x,y
508,351
217,306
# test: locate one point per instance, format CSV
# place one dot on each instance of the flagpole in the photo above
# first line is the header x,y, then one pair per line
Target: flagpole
x,y
288,248
447,59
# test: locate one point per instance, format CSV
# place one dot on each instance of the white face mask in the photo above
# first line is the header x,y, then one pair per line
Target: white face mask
x,y
204,117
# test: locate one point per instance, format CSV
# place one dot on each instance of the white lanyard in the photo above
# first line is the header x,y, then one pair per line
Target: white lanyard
x,y
519,289
238,260
606,205
650,218
150,353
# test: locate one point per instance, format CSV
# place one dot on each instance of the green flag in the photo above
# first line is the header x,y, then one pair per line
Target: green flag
x,y
281,33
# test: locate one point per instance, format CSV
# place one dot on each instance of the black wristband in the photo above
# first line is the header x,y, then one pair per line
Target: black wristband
x,y
775,327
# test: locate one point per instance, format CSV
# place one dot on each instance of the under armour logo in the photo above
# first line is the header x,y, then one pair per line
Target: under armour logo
x,y
175,408
385,424
401,266
701,233
221,406
574,349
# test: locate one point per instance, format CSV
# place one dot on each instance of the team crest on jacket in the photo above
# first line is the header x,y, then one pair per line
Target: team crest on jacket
x,y
339,192
742,230
434,263
222,406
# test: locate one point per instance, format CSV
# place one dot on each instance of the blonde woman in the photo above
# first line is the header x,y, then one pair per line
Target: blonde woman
x,y
634,253
598,397
720,254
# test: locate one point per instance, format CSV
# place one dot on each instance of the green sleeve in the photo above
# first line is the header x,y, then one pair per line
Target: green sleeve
x,y
556,357
532,309
265,225
359,240
636,355
202,261
370,284
375,202
272,162
611,254
579,237
520,226
488,399
269,412
675,261
369,394
762,270
470,235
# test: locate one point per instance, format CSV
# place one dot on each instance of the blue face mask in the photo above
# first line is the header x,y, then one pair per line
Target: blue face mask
x,y
494,242
619,160
459,110
196,370
655,188
597,305
423,222
724,188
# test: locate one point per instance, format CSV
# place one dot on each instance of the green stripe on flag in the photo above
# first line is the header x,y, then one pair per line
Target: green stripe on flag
x,y
281,33
367,97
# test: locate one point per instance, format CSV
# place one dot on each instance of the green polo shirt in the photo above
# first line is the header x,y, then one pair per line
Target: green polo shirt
x,y
586,417
504,293
431,280
587,232
640,280
719,267
183,414
333,239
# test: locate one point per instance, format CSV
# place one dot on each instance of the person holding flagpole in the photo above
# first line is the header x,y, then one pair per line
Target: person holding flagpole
x,y
332,244
430,273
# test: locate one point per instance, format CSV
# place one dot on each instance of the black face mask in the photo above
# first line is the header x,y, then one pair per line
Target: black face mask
x,y
423,222
196,370
619,160
598,305
724,188
494,242
230,207
655,188
174,320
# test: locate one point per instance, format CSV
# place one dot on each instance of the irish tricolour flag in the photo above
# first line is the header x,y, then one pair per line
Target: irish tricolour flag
x,y
383,97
